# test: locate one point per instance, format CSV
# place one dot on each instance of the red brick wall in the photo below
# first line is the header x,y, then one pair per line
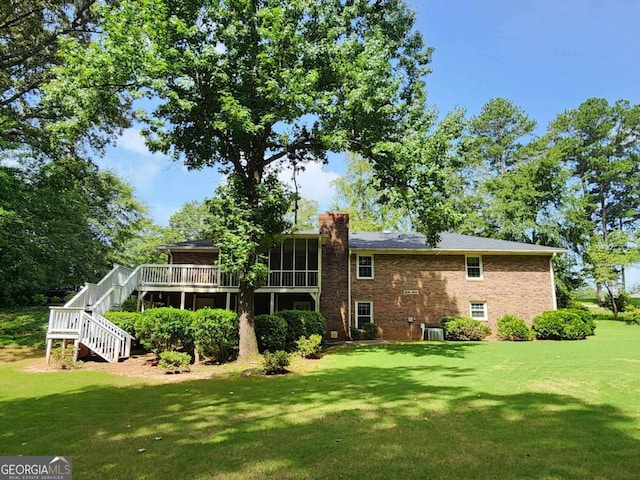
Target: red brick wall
x,y
335,268
518,285
194,258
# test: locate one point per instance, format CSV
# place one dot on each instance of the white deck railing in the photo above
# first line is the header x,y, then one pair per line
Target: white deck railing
x,y
174,274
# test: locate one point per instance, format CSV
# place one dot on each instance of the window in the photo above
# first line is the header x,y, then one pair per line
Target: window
x,y
474,268
365,266
302,306
478,310
364,313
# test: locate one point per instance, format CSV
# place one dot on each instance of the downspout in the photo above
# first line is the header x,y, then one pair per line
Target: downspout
x,y
349,291
554,300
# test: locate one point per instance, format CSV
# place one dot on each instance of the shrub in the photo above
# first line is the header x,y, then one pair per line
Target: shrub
x,y
301,323
174,362
215,333
275,363
125,320
357,334
622,301
310,347
271,332
446,319
465,329
370,331
631,316
514,329
165,329
63,357
560,325
586,316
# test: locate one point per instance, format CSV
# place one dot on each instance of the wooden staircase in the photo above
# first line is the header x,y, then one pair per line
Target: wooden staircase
x,y
80,319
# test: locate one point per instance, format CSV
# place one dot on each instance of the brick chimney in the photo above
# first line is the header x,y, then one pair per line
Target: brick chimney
x,y
335,272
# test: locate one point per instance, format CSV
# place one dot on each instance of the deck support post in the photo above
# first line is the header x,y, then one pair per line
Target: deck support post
x,y
48,354
272,303
228,305
76,347
182,299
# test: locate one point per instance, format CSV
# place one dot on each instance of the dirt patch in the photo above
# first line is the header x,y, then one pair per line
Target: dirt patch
x,y
145,367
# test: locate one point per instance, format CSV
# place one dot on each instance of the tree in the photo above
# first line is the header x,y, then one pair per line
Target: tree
x,y
249,86
304,215
61,223
34,112
607,256
359,193
513,184
600,145
494,135
191,222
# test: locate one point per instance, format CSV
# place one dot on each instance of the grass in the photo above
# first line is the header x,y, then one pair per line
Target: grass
x,y
24,326
535,410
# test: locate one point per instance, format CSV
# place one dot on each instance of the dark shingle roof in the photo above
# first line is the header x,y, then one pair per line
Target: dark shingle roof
x,y
411,241
448,242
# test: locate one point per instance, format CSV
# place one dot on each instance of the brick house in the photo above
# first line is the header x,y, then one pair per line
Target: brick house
x,y
392,279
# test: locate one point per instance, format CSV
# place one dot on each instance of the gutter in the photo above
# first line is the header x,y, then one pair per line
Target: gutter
x,y
349,292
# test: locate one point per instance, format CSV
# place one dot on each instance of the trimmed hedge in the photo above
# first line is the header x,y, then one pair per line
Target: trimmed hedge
x,y
561,325
586,316
514,329
125,320
215,333
301,323
464,329
165,329
271,332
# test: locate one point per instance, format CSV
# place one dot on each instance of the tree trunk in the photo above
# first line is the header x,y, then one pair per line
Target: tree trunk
x,y
614,307
248,348
599,294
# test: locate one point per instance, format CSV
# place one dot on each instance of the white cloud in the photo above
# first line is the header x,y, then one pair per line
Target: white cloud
x,y
132,141
314,183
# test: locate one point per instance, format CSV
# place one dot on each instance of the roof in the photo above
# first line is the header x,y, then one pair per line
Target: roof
x,y
449,242
411,241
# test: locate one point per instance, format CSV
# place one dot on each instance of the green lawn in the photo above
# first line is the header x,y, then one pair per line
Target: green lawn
x,y
24,326
538,410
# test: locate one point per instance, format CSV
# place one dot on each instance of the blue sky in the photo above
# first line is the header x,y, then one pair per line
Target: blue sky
x,y
546,56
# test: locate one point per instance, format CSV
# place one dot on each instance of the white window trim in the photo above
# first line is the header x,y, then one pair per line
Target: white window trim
x,y
370,302
486,310
358,268
466,268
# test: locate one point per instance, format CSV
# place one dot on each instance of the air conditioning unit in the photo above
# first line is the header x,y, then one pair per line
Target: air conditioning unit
x,y
434,334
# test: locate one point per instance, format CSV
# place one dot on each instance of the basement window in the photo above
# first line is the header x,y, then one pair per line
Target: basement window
x,y
478,310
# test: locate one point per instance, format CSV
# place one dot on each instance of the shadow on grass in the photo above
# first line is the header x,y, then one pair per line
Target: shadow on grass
x,y
416,349
360,422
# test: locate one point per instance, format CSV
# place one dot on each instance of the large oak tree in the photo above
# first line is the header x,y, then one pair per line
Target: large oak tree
x,y
253,86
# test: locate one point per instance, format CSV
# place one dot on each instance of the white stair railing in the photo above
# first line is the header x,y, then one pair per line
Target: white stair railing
x,y
103,337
